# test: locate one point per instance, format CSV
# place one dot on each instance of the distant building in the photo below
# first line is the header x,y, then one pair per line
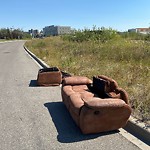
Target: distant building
x,y
34,33
140,30
56,30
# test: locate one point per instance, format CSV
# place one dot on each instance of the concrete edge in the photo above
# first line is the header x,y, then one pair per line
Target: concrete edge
x,y
138,129
137,142
42,63
133,126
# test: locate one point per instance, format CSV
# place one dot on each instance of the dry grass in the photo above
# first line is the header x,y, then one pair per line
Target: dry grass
x,y
126,61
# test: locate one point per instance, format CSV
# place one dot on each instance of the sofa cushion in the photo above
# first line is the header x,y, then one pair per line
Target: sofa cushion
x,y
76,80
97,103
68,90
79,88
83,90
76,103
87,95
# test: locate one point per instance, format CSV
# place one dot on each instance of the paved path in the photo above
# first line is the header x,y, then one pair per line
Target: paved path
x,y
34,118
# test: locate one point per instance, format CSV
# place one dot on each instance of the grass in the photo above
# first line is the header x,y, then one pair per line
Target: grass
x,y
125,60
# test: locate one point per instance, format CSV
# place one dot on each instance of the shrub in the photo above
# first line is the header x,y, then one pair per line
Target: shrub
x,y
100,35
125,60
147,37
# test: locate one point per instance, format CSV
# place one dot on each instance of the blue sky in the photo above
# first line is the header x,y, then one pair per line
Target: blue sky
x,y
117,14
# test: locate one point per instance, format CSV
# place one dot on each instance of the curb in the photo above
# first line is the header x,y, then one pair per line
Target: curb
x,y
135,127
38,60
138,129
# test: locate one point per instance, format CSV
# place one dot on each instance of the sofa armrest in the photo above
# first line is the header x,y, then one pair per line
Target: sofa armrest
x,y
97,103
100,115
123,95
76,80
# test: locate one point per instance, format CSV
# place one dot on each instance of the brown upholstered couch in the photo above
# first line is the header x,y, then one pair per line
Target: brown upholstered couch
x,y
90,112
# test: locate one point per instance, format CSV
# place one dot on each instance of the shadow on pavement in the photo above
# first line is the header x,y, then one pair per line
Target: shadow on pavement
x,y
68,131
33,83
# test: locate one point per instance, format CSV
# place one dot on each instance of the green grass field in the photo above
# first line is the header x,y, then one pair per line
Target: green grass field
x,y
125,60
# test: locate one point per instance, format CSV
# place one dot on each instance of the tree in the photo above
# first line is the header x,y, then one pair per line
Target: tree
x,y
6,33
3,33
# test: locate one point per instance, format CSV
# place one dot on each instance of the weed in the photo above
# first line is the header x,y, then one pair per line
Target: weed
x,y
126,60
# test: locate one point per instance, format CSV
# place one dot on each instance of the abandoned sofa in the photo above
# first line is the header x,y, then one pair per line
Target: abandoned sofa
x,y
49,77
95,111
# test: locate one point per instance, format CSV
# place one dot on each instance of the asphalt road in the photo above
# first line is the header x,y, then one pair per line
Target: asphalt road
x,y
34,118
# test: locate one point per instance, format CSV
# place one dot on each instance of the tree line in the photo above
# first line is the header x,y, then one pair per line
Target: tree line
x,y
9,33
